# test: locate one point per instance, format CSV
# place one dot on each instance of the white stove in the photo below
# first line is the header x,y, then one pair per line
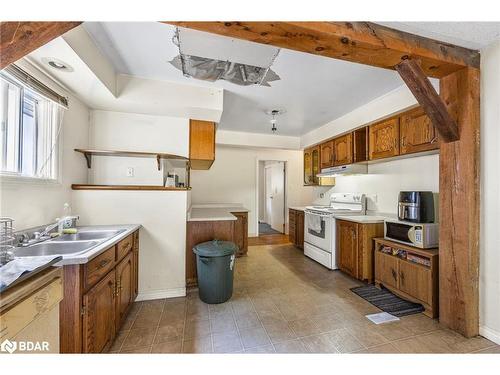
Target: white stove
x,y
319,226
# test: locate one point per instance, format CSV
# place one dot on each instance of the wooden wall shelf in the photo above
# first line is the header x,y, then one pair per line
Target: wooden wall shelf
x,y
88,153
127,187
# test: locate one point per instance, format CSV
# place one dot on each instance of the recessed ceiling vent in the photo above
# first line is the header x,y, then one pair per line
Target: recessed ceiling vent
x,y
213,69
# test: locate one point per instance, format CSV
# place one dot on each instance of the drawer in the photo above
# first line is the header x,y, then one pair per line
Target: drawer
x,y
31,308
124,246
98,267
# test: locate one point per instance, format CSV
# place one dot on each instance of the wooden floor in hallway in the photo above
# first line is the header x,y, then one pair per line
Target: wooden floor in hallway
x,y
283,302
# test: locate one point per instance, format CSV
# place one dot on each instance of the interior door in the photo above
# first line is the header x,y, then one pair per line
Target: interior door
x,y
278,196
269,194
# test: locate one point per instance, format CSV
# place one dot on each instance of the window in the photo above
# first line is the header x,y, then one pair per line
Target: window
x,y
30,124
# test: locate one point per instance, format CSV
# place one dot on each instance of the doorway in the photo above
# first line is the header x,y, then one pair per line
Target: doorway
x,y
271,202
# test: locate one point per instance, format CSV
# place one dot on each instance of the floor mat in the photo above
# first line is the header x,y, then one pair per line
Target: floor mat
x,y
265,228
386,301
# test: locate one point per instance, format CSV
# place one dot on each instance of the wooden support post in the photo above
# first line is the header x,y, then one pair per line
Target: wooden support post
x,y
459,206
411,72
17,39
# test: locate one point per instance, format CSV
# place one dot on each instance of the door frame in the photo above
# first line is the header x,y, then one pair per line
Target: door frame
x,y
257,189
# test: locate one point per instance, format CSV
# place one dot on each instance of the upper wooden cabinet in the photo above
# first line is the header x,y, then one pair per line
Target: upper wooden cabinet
x,y
311,165
326,152
384,139
201,144
417,133
343,150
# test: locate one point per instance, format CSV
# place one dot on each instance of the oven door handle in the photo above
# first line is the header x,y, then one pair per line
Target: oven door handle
x,y
411,235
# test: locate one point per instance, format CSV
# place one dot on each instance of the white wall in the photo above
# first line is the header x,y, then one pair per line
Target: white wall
x,y
489,277
232,179
232,138
33,204
162,238
386,179
134,132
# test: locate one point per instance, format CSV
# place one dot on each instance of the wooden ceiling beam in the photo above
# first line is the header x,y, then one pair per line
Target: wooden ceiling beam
x,y
411,72
360,42
17,39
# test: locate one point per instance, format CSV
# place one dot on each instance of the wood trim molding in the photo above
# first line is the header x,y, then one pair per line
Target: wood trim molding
x,y
411,72
17,39
360,42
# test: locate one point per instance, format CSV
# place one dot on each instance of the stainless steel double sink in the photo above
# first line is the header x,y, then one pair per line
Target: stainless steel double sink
x,y
68,244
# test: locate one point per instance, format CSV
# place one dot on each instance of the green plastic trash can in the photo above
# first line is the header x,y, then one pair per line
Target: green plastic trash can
x,y
215,267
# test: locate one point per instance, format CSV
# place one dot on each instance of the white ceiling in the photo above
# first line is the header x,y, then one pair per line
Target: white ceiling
x,y
474,35
313,89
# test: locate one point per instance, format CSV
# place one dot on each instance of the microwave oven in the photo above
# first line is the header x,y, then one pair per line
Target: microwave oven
x,y
423,236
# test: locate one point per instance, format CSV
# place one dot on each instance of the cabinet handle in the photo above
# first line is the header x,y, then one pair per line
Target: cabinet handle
x,y
402,276
433,140
403,141
394,274
102,263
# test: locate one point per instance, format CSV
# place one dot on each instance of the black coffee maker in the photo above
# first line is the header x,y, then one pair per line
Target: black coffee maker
x,y
416,206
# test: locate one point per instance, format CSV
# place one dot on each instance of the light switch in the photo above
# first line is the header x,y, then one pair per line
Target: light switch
x,y
130,172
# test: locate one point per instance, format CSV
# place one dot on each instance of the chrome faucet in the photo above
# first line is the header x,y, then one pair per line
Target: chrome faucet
x,y
39,236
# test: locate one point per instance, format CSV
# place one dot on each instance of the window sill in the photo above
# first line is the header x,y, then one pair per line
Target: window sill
x,y
6,180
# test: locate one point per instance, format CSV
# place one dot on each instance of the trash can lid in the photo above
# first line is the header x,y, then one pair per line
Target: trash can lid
x,y
215,248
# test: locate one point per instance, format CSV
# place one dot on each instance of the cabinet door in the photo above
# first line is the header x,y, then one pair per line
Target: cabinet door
x,y
201,143
240,232
415,280
125,288
299,229
417,133
326,152
99,315
347,245
291,226
386,269
316,168
308,171
342,150
384,139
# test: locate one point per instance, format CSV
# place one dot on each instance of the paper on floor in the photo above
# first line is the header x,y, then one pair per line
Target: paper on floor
x,y
382,317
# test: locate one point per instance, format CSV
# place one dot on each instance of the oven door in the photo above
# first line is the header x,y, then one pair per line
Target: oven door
x,y
319,236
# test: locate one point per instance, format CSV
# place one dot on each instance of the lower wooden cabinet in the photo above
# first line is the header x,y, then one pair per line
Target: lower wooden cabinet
x,y
296,227
224,230
99,315
355,248
125,288
97,298
409,272
241,232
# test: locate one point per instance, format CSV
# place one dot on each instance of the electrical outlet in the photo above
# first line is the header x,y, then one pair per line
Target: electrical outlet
x,y
130,172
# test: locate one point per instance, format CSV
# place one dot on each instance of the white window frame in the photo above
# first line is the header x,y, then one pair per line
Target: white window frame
x,y
16,178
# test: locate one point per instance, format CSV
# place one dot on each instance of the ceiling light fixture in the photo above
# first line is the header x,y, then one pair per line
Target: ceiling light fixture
x,y
57,64
273,121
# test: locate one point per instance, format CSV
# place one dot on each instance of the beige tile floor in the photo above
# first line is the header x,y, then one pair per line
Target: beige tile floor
x,y
283,302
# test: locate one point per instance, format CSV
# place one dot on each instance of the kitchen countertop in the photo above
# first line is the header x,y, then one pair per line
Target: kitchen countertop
x,y
84,257
363,219
214,212
298,208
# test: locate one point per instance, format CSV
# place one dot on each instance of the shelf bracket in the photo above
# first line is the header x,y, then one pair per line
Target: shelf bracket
x,y
88,157
158,161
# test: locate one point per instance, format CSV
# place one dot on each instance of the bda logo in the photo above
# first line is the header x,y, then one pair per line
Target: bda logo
x,y
8,346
